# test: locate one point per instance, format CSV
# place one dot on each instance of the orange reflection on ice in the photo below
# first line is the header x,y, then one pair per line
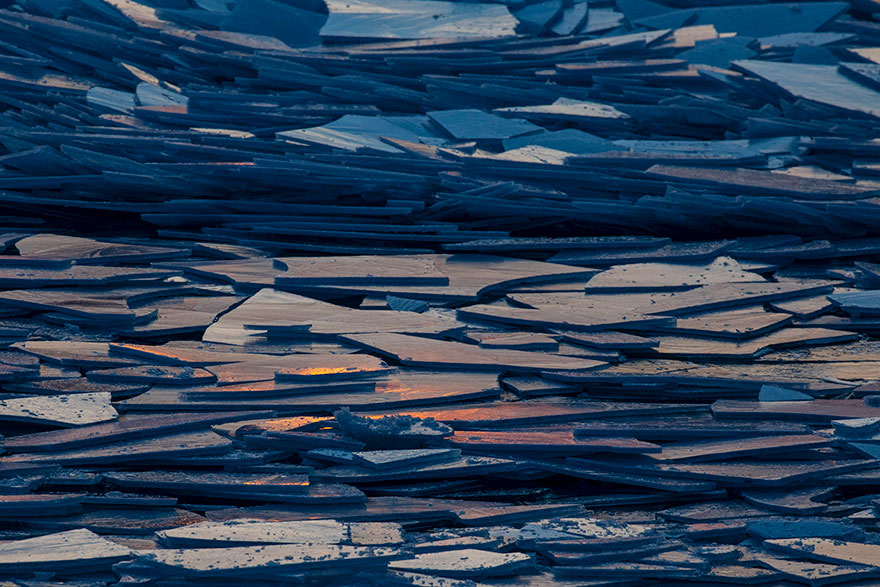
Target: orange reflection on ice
x,y
315,371
293,423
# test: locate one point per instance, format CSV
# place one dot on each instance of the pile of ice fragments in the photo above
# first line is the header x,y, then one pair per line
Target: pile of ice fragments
x,y
195,416
414,125
439,294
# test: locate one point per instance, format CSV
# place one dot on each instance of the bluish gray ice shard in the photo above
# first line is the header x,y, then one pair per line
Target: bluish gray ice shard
x,y
107,98
537,17
565,109
406,305
794,528
857,427
860,303
756,20
292,25
370,20
572,20
820,83
570,140
867,74
152,95
720,52
354,132
803,39
602,20
774,393
472,124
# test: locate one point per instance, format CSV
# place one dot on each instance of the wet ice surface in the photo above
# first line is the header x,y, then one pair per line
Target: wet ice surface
x,y
439,293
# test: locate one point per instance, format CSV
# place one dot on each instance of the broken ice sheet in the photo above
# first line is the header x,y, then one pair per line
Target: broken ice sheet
x,y
546,442
59,410
267,560
660,276
359,269
289,314
466,466
805,501
816,573
243,532
673,427
146,451
796,528
166,375
392,459
470,276
727,449
82,250
414,388
837,91
467,563
127,427
824,549
74,551
540,411
428,353
816,411
694,348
